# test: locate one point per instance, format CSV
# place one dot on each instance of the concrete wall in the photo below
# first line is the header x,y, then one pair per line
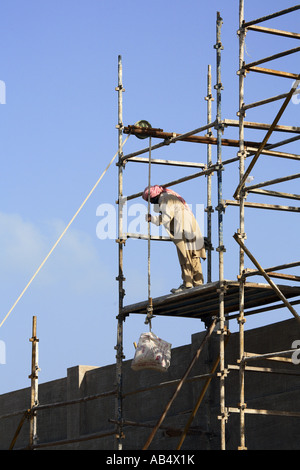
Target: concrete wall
x,y
263,391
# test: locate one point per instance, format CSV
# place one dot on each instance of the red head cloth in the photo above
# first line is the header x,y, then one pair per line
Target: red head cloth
x,y
157,190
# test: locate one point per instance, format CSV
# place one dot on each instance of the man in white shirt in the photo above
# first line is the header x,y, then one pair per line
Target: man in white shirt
x,y
183,229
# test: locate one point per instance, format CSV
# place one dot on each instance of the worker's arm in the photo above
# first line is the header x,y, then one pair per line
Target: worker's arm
x,y
155,219
164,218
166,212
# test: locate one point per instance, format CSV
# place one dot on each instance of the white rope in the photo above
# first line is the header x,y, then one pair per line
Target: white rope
x,y
62,234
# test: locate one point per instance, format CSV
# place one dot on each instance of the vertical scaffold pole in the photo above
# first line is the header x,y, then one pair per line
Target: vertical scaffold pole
x,y
34,385
220,249
209,209
149,230
120,278
149,306
241,231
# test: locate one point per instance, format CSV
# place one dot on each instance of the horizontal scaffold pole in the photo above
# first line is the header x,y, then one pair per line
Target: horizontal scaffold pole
x,y
272,15
264,192
171,137
276,32
273,153
258,205
178,181
276,73
157,161
266,101
274,268
295,414
141,236
272,355
272,57
261,125
275,181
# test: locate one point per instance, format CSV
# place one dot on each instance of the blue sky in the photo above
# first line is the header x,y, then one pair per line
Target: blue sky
x,y
59,64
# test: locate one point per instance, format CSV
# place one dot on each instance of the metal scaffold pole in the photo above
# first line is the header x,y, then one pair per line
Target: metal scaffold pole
x,y
220,208
34,385
120,278
209,209
242,155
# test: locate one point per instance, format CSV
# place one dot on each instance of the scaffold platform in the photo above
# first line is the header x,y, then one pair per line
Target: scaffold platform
x,y
203,301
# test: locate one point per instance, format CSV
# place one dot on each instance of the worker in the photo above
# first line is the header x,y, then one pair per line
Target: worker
x,y
183,229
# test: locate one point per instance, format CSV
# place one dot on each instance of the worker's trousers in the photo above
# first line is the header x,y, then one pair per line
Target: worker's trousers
x,y
191,269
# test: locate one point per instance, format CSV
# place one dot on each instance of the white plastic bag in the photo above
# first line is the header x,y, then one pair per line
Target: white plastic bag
x,y
152,353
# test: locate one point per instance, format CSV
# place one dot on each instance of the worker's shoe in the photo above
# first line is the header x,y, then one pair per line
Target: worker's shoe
x,y
181,288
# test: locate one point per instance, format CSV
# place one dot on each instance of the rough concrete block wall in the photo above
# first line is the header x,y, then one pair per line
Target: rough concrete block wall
x,y
50,427
263,391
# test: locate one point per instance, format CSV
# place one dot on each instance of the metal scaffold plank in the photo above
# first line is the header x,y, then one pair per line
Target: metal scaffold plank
x,y
204,300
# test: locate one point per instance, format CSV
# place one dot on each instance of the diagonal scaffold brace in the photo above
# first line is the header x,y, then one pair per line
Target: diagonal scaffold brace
x,y
265,275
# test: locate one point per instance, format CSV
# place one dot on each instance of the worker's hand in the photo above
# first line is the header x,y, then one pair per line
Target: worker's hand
x,y
148,217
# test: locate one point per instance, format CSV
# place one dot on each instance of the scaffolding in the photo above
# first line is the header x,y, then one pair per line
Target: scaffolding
x,y
220,300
